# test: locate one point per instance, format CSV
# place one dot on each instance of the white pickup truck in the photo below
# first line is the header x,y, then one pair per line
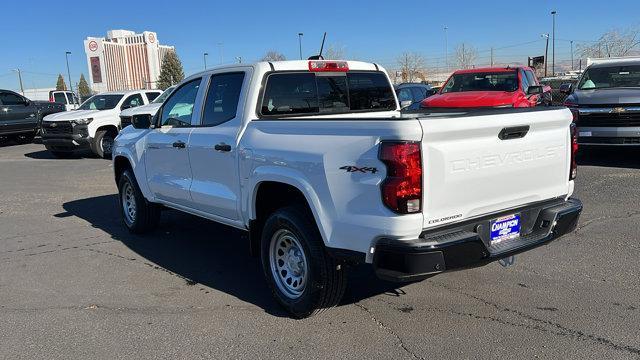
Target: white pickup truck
x,y
314,160
94,125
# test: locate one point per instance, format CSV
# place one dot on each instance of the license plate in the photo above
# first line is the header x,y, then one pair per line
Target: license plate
x,y
505,228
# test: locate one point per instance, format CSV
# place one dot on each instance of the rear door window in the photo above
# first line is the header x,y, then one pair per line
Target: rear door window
x,y
311,93
59,98
222,99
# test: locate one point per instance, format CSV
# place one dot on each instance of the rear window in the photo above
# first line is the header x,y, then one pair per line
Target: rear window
x,y
59,98
311,93
482,81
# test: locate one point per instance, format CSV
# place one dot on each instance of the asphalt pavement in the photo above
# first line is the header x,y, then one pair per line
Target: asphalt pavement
x,y
74,284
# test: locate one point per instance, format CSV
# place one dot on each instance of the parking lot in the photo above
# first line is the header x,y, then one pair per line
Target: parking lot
x,y
75,284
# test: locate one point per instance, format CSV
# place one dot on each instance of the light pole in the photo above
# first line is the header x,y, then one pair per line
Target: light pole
x,y
205,60
20,79
221,53
300,43
66,55
446,48
553,61
546,53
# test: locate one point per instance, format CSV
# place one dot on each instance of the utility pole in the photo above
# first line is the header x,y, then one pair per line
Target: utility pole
x,y
571,41
546,53
221,53
492,57
20,79
553,61
300,44
66,54
204,56
464,63
446,48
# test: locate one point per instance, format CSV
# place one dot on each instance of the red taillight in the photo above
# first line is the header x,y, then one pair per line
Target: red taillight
x,y
574,151
333,66
51,98
402,189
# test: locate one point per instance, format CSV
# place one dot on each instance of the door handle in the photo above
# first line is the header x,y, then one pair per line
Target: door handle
x,y
179,145
222,147
515,132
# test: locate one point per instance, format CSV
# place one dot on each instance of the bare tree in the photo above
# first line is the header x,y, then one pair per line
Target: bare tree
x,y
273,55
613,43
334,52
411,66
466,56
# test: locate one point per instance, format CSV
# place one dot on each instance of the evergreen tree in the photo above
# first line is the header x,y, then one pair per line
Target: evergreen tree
x,y
83,88
171,71
60,85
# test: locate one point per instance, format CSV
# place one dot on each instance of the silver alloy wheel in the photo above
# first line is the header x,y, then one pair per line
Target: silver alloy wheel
x,y
289,266
106,144
129,203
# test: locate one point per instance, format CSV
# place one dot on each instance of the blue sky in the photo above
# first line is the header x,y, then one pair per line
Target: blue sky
x,y
37,33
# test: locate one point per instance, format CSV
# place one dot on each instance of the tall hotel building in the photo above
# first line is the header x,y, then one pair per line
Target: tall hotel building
x,y
124,60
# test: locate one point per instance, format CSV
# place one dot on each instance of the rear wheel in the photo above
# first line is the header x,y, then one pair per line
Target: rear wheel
x,y
303,278
103,143
138,215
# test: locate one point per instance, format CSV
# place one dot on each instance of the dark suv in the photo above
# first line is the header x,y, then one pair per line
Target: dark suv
x,y
20,117
606,103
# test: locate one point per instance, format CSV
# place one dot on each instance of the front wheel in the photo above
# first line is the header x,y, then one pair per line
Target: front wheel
x,y
102,144
303,278
138,215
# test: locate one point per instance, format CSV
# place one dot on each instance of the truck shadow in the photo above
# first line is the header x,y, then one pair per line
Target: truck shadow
x,y
207,254
609,157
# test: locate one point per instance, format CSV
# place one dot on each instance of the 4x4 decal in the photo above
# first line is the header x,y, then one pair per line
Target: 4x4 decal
x,y
364,169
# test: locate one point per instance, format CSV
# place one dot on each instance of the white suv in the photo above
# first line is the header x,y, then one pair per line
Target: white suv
x,y
94,125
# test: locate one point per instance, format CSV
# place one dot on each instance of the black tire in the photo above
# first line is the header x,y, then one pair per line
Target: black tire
x,y
326,279
100,144
146,215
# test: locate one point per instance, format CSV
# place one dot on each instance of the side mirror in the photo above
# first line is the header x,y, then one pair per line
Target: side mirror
x,y
141,121
405,104
535,90
27,102
566,88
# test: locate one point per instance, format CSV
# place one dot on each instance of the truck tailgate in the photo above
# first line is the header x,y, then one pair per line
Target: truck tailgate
x,y
470,171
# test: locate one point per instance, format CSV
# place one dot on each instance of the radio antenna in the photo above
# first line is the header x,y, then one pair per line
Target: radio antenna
x,y
319,56
322,45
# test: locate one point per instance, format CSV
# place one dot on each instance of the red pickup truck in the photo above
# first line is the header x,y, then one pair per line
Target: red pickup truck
x,y
494,87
